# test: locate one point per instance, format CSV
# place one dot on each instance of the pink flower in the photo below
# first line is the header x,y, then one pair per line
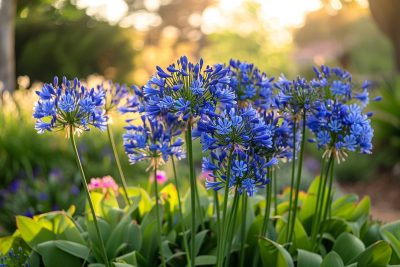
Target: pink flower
x,y
103,185
207,175
161,177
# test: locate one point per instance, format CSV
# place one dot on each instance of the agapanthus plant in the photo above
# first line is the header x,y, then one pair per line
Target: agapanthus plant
x,y
154,142
251,85
70,107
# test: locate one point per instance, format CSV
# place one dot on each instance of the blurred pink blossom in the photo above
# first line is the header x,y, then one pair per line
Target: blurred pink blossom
x,y
104,185
207,175
161,177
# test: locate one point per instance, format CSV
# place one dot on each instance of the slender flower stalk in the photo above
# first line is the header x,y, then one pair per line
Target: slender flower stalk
x,y
268,198
117,161
275,183
220,250
298,179
243,229
228,239
84,182
185,243
193,188
291,184
159,220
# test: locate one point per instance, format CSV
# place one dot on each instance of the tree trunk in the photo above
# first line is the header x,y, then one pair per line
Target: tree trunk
x,y
7,44
386,15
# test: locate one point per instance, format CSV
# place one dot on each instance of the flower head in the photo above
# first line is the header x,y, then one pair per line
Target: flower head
x,y
161,177
104,185
153,141
69,105
248,171
250,84
114,94
187,89
339,128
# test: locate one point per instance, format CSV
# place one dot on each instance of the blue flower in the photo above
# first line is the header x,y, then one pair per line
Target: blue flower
x,y
151,141
114,94
69,106
194,90
250,84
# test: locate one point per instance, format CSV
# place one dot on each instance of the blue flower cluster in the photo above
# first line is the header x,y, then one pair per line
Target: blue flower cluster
x,y
114,93
152,141
186,90
69,105
251,85
248,171
340,127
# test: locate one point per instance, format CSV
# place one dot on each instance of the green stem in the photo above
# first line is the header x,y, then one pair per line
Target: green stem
x,y
185,244
322,202
298,179
317,204
217,211
243,229
200,208
159,226
275,182
291,183
329,199
193,187
116,157
268,198
230,229
83,177
220,251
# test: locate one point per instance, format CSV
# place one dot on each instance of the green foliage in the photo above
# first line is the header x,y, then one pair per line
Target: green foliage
x,y
350,238
63,40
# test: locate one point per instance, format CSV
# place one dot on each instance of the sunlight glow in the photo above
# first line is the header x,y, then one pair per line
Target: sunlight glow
x,y
112,11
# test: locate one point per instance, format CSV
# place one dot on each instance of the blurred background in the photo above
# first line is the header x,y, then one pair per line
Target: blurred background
x,y
124,40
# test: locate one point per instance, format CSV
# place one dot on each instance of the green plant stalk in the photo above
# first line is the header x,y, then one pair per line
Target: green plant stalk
x,y
200,208
322,202
298,179
185,243
159,227
328,201
291,183
217,211
220,246
116,157
230,229
275,183
193,188
78,161
317,203
243,229
267,213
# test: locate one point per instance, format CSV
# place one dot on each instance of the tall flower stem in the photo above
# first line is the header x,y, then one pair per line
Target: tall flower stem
x,y
230,230
221,241
291,183
328,200
217,211
268,198
96,225
159,226
116,157
275,183
193,189
243,229
185,243
320,207
298,179
317,204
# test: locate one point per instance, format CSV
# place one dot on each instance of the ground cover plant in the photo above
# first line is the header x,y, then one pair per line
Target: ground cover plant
x,y
248,125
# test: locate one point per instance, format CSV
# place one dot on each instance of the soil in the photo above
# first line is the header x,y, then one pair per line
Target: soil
x,y
384,193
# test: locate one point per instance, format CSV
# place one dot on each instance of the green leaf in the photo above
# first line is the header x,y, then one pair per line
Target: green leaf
x,y
133,258
300,237
344,206
391,233
308,259
32,232
205,260
74,249
52,256
273,254
361,212
120,264
376,255
145,202
308,208
199,239
348,246
332,260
